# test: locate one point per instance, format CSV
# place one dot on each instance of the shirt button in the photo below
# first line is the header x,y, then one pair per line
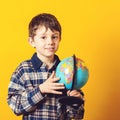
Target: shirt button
x,y
47,107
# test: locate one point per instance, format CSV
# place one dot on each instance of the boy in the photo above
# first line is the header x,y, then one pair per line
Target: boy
x,y
33,90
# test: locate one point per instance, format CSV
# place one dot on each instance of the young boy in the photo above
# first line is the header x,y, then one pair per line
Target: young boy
x,y
33,90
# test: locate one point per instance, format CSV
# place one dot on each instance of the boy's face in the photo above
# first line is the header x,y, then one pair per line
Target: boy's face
x,y
45,41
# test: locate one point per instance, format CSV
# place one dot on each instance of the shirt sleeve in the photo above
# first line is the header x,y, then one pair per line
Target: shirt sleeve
x,y
20,99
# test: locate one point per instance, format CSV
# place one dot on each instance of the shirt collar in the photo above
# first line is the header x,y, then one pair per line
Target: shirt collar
x,y
37,62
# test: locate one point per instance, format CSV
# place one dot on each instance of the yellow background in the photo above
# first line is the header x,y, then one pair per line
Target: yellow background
x,y
91,30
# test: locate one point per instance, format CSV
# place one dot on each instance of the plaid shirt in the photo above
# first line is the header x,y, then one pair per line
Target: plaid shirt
x,y
24,95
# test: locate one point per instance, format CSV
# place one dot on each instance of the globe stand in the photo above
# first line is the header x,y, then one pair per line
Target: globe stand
x,y
71,101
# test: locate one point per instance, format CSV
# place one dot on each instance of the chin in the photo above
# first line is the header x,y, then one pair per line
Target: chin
x,y
50,55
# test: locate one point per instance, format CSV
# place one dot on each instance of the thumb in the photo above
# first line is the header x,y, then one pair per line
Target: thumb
x,y
68,93
52,75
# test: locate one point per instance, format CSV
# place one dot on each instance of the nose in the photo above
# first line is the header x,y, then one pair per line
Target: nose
x,y
50,40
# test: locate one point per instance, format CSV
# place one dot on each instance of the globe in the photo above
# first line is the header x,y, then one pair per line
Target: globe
x,y
73,72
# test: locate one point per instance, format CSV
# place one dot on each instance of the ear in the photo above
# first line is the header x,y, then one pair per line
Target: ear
x,y
31,42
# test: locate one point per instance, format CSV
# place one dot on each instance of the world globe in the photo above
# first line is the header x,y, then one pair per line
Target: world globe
x,y
73,72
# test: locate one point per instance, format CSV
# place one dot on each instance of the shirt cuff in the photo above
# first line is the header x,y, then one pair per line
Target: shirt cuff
x,y
35,96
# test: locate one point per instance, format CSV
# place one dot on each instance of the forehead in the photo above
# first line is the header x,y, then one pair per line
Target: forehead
x,y
41,30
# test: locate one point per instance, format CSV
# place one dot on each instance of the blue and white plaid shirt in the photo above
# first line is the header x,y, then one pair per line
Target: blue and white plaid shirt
x,y
24,95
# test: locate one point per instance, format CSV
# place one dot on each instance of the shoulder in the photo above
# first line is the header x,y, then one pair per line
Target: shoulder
x,y
25,64
23,67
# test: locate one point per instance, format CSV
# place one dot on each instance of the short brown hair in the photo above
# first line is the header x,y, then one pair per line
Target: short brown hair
x,y
48,20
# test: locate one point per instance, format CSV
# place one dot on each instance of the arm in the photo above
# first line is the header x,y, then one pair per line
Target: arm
x,y
20,99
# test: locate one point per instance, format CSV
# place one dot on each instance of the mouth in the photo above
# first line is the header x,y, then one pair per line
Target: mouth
x,y
50,49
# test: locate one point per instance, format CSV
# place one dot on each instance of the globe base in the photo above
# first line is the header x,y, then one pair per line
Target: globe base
x,y
71,101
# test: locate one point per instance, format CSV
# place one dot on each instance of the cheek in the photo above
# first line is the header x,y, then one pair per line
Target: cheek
x,y
39,44
57,43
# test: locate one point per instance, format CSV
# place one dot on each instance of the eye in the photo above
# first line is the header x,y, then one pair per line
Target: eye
x,y
43,37
55,37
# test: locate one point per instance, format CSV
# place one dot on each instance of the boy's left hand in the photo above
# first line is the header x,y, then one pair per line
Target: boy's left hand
x,y
75,93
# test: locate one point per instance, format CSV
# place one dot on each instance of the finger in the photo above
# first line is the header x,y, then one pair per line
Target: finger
x,y
56,79
56,92
58,85
74,93
59,88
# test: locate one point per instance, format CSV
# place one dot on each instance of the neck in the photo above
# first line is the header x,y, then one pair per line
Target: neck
x,y
47,60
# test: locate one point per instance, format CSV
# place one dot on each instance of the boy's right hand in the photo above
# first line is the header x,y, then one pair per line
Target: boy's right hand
x,y
51,85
